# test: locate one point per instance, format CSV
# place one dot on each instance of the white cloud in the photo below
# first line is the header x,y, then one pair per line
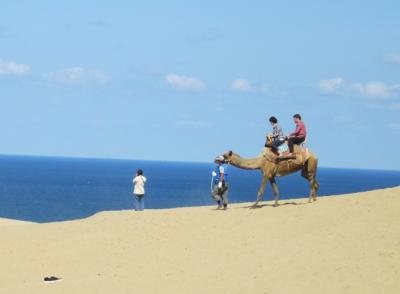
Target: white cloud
x,y
185,82
330,85
375,90
394,58
78,75
13,68
241,85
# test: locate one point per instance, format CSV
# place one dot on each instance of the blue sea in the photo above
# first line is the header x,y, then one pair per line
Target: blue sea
x,y
48,189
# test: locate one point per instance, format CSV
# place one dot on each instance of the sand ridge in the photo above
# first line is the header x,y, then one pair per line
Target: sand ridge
x,y
341,244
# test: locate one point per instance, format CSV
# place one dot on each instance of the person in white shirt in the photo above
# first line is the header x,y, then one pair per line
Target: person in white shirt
x,y
138,181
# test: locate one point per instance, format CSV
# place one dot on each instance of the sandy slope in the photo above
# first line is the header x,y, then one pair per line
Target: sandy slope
x,y
11,222
346,244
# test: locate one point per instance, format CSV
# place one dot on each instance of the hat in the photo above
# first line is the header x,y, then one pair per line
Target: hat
x,y
219,158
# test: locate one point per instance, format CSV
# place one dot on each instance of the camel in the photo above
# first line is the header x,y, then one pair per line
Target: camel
x,y
270,168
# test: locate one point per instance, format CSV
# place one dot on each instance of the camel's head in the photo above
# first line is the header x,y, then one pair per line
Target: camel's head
x,y
228,156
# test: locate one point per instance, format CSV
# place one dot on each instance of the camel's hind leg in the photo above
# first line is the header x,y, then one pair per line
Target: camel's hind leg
x,y
309,172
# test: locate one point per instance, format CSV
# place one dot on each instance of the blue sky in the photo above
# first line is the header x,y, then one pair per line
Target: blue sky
x,y
187,80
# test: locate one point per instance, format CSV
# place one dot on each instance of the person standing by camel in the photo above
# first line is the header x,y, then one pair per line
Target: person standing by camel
x,y
139,180
299,135
220,187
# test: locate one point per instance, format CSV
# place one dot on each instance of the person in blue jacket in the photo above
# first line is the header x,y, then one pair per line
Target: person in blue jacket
x,y
220,186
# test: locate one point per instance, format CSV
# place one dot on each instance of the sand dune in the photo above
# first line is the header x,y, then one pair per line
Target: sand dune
x,y
341,244
11,222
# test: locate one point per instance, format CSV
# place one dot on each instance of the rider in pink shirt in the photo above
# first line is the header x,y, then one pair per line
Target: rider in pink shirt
x,y
299,135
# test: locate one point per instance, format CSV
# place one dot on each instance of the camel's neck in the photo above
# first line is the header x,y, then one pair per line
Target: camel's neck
x,y
251,163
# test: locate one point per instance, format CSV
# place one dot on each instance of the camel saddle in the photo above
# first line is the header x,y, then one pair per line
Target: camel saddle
x,y
299,157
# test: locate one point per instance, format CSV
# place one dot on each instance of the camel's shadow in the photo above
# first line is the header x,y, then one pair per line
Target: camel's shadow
x,y
273,205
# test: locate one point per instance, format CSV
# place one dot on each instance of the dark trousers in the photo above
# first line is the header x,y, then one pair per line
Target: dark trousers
x,y
139,202
275,144
295,140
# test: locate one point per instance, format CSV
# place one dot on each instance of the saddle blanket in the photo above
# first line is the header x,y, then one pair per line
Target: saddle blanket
x,y
283,148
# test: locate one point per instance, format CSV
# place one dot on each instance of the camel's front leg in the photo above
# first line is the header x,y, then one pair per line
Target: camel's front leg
x,y
261,190
275,189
